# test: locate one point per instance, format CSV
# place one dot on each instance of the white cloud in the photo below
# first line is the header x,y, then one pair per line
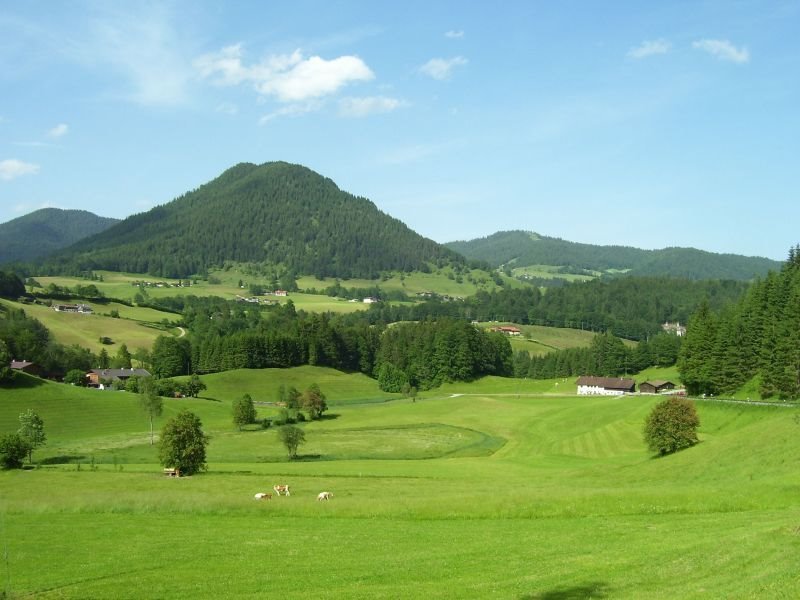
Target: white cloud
x,y
144,46
369,105
650,48
454,35
441,68
58,131
723,50
13,168
287,77
292,110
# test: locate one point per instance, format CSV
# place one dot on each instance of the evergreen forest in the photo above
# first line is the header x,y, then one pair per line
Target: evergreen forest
x,y
523,248
757,338
276,213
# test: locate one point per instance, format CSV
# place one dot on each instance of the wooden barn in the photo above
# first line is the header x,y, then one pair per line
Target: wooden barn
x,y
656,387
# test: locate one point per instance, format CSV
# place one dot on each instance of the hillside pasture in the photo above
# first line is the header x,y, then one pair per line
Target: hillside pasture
x,y
475,492
136,327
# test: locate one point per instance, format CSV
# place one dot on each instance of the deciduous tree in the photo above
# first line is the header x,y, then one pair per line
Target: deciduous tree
x,y
671,426
152,404
32,431
244,412
291,437
313,402
183,444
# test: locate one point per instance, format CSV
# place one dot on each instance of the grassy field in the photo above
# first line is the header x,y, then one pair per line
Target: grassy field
x,y
136,326
488,489
120,285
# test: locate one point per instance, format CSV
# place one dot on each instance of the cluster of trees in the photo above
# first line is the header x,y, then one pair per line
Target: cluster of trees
x,y
428,353
277,213
607,356
759,336
224,336
312,401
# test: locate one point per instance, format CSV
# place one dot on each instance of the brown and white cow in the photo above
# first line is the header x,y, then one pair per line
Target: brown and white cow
x,y
281,489
324,496
263,496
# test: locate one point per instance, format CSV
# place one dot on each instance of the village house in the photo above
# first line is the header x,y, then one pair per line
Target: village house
x,y
282,293
656,387
370,300
507,329
83,309
26,367
97,377
604,386
674,328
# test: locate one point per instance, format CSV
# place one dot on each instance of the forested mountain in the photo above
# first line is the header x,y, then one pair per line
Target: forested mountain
x,y
524,248
44,231
277,213
757,337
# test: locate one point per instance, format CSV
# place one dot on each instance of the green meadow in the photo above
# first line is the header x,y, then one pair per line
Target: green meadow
x,y
497,488
137,327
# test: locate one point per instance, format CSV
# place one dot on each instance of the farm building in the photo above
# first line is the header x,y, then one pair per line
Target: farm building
x,y
26,367
95,377
656,387
83,309
507,329
604,386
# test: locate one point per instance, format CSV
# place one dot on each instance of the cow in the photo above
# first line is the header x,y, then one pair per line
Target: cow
x,y
324,496
263,496
281,489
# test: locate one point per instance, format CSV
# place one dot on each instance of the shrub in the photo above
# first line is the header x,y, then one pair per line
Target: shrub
x,y
671,426
13,449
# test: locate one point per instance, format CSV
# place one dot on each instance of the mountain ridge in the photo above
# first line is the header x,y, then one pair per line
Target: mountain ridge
x,y
276,212
519,248
47,230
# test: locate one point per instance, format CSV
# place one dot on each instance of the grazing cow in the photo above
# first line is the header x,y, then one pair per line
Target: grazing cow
x,y
263,496
281,489
324,496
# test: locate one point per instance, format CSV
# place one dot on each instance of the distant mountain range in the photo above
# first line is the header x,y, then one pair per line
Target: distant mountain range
x,y
44,231
276,213
524,249
290,217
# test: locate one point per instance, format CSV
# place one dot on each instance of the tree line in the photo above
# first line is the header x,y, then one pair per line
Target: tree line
x,y
633,307
757,337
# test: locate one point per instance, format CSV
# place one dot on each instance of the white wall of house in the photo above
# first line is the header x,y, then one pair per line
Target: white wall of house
x,y
596,390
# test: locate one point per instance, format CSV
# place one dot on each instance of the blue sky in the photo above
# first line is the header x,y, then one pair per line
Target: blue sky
x,y
648,124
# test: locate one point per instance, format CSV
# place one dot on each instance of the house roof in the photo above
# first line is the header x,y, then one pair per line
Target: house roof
x,y
608,383
20,364
120,373
657,383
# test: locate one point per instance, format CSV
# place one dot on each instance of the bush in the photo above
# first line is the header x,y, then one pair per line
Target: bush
x,y
671,426
75,377
13,449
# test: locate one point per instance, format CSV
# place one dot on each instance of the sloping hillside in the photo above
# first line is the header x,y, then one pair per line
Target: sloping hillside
x,y
44,231
523,248
278,213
